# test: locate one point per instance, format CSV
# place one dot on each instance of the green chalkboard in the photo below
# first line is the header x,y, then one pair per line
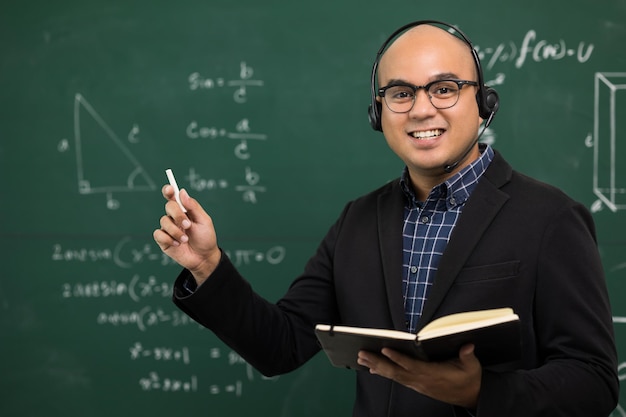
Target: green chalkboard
x,y
259,107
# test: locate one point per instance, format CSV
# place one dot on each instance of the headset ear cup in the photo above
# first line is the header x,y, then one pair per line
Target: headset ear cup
x,y
373,114
492,100
488,102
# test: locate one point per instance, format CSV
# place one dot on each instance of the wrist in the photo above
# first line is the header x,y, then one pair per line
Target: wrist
x,y
207,267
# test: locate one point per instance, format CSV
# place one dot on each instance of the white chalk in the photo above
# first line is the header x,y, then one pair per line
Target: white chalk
x,y
172,180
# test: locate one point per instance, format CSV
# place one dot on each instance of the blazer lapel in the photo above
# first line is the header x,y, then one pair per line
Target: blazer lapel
x,y
481,208
390,219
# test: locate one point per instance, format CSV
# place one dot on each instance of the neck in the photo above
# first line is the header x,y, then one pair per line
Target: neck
x,y
424,180
423,185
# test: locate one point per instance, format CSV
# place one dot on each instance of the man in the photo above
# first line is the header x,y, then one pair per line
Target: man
x,y
459,231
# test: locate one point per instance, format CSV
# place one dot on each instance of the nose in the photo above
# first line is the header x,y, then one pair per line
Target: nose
x,y
422,106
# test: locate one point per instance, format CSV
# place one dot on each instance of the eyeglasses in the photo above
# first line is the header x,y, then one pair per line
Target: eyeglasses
x,y
443,94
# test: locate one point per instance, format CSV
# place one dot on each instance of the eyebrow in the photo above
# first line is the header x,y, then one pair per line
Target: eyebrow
x,y
441,76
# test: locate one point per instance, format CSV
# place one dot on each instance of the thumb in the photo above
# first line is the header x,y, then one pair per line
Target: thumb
x,y
467,353
194,210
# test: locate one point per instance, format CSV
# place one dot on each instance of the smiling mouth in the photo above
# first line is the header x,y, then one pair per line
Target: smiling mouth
x,y
427,134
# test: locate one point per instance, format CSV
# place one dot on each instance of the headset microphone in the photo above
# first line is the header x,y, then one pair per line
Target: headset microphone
x,y
450,167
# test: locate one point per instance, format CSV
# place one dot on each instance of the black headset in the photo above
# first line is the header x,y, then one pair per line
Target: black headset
x,y
487,97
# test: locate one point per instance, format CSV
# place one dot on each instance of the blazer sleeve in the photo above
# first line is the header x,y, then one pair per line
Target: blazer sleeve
x,y
576,361
275,338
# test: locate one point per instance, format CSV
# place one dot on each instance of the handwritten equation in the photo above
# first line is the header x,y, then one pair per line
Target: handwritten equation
x,y
155,382
160,353
534,49
136,290
127,253
249,188
242,133
198,82
144,318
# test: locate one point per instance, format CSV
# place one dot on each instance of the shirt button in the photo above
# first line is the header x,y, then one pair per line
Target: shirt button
x,y
452,201
413,269
425,219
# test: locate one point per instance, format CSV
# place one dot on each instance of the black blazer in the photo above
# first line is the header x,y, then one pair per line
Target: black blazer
x,y
518,243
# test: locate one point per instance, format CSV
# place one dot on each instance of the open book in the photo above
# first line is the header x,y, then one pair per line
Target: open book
x,y
495,334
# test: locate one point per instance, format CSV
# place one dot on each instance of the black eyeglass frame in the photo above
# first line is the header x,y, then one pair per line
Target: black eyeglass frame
x,y
425,87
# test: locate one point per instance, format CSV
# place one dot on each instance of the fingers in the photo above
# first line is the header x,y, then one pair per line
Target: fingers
x,y
173,209
377,363
164,240
456,381
170,234
173,224
167,191
176,224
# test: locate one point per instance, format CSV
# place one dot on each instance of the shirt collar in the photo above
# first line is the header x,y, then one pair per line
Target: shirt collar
x,y
458,187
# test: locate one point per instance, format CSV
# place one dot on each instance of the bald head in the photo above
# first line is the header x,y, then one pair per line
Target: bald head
x,y
427,42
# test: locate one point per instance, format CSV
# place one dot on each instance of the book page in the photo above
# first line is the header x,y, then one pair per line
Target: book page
x,y
459,322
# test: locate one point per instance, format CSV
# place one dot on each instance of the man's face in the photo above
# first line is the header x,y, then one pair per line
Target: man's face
x,y
426,138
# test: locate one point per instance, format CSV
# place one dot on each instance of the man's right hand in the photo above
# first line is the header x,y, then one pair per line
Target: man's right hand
x,y
188,238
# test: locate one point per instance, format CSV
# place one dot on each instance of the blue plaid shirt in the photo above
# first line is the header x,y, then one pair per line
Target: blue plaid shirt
x,y
427,229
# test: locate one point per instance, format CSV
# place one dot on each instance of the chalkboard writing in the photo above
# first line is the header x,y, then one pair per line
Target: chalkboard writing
x,y
536,50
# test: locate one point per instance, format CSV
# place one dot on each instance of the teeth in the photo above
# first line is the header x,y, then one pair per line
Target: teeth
x,y
427,134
